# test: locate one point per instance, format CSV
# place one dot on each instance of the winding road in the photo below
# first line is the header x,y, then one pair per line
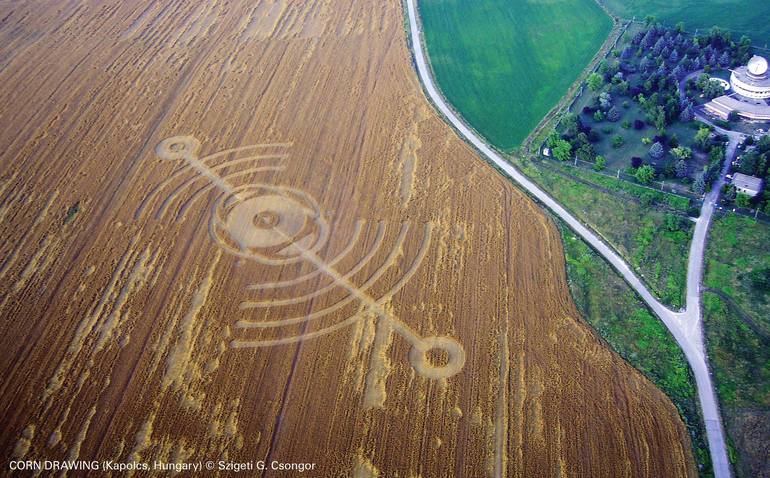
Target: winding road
x,y
685,326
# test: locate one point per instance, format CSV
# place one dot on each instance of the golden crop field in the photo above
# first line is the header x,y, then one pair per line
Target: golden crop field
x,y
238,231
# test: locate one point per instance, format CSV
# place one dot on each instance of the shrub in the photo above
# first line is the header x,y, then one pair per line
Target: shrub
x,y
617,141
681,169
625,124
743,200
613,114
638,124
595,81
656,151
587,110
682,152
563,150
636,161
601,163
599,116
645,174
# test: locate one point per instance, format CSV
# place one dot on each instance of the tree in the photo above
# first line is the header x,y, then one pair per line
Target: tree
x,y
699,186
681,169
659,119
697,63
571,125
601,163
673,57
595,81
730,193
724,60
743,200
563,150
645,174
702,138
656,151
586,152
682,152
552,140
644,64
703,80
605,100
613,114
687,114
713,89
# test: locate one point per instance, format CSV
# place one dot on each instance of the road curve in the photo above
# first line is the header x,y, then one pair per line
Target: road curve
x,y
684,326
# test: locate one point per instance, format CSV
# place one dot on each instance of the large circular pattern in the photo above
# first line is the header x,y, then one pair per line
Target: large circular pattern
x,y
270,224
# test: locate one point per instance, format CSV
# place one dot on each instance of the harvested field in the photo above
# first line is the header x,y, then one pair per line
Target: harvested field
x,y
239,232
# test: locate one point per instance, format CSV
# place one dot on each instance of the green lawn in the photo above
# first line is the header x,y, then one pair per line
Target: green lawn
x,y
738,336
612,308
503,64
748,17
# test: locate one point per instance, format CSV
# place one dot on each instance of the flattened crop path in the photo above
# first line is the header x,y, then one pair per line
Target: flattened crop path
x,y
686,326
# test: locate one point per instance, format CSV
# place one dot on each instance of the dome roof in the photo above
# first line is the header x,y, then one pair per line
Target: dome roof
x,y
757,66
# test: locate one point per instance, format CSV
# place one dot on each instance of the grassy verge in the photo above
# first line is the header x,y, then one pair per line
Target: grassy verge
x,y
646,227
737,323
610,306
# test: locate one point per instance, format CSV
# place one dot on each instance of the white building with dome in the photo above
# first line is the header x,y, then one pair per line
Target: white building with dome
x,y
752,80
750,96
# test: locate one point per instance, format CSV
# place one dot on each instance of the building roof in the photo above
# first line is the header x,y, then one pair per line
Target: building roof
x,y
745,181
729,103
757,66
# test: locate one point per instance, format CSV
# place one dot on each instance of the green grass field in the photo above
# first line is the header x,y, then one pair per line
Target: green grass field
x,y
748,17
503,64
738,336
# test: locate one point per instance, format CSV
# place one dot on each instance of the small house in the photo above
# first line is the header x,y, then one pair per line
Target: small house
x,y
746,184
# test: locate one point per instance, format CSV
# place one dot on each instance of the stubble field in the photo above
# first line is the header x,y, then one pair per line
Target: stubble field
x,y
236,231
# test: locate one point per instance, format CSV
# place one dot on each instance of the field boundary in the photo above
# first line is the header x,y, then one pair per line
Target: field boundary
x,y
576,89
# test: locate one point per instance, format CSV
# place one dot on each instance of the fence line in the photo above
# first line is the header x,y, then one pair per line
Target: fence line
x,y
756,214
658,185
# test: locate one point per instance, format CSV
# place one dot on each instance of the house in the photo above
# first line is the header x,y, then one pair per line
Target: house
x,y
746,184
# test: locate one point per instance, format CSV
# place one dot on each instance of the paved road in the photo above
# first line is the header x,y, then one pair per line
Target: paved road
x,y
684,326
